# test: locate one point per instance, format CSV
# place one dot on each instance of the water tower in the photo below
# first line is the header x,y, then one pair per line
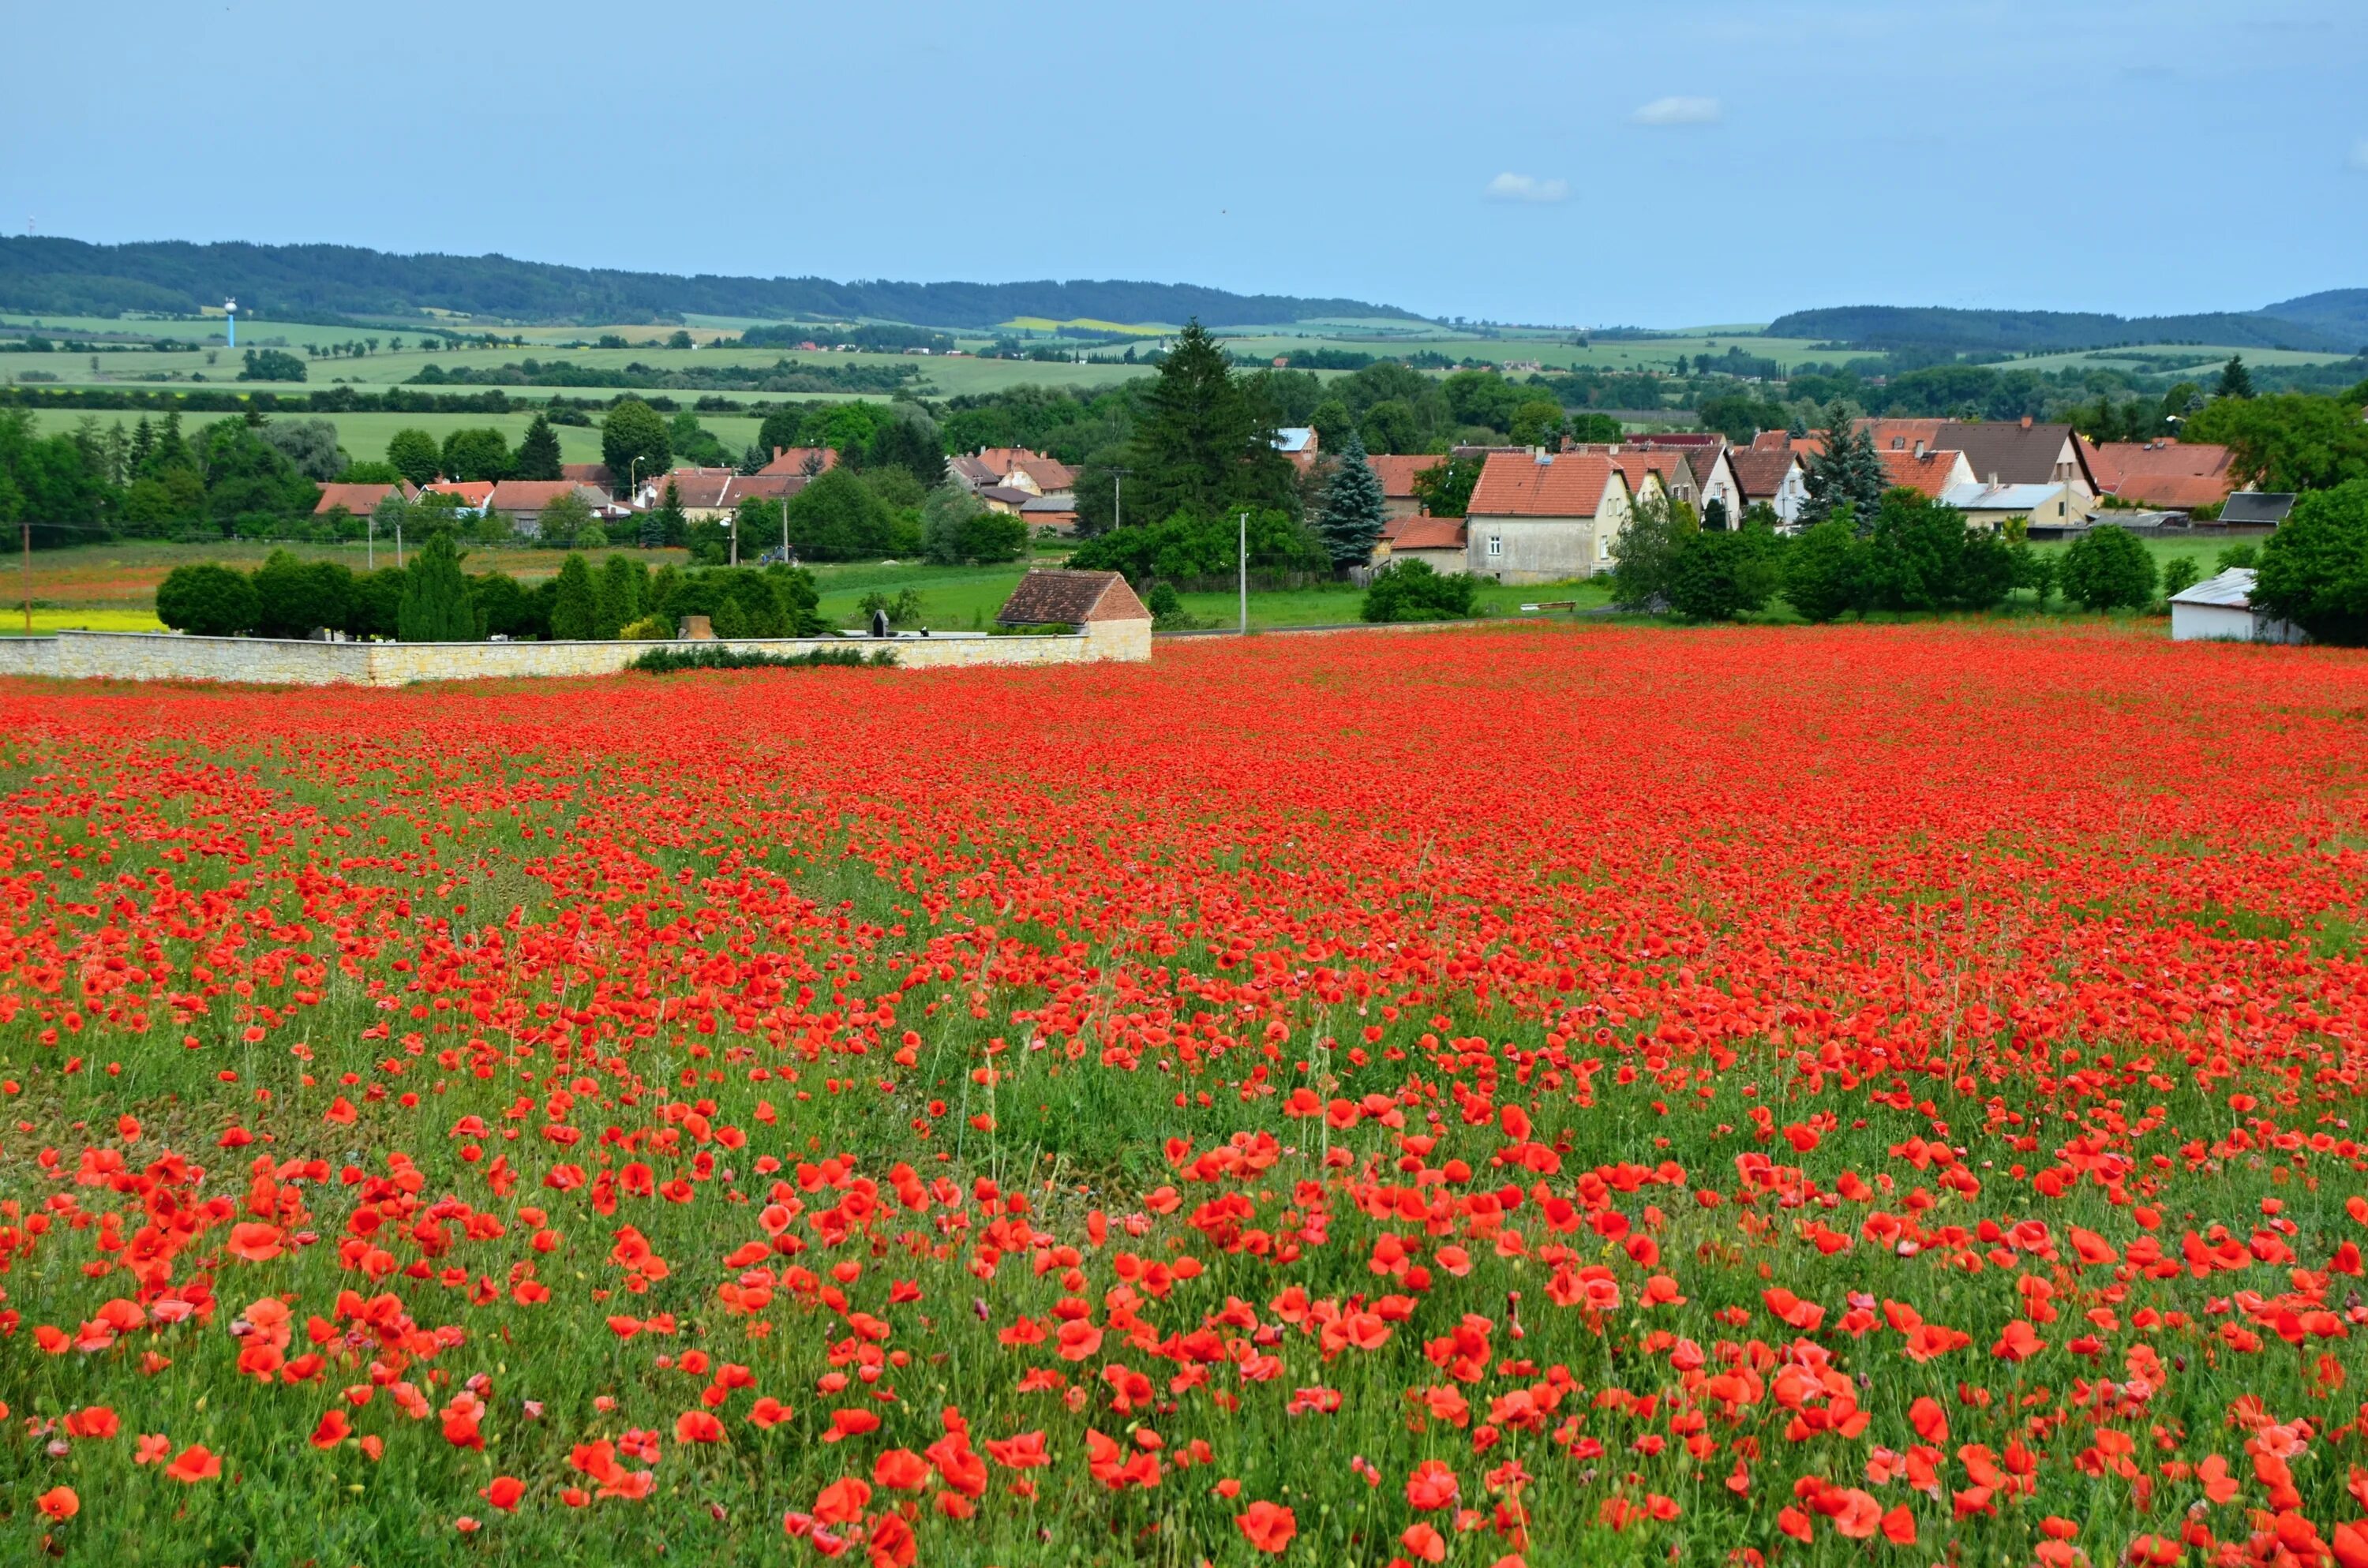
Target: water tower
x,y
229,316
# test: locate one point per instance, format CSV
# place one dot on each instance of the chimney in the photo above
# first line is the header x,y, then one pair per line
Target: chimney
x,y
1993,483
2026,421
1540,456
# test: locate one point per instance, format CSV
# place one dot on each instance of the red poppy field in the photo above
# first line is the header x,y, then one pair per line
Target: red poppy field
x,y
1517,1097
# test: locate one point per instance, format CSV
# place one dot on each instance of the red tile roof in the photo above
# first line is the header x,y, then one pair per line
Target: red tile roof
x,y
1759,470
1515,485
721,489
534,494
1429,533
2163,473
359,499
1051,597
471,491
589,474
1902,435
1396,470
792,459
1927,475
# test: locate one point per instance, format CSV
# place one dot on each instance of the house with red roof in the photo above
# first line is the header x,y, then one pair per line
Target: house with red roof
x,y
1771,475
1929,473
358,500
711,495
1397,471
470,493
2176,475
1540,517
523,501
1439,542
801,460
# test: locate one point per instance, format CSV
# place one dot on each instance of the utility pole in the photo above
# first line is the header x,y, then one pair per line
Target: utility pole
x,y
28,576
398,544
1242,557
369,542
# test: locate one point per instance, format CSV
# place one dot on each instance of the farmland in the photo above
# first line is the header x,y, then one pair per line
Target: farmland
x,y
1522,1096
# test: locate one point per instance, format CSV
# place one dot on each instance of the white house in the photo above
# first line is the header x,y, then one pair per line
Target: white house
x,y
2220,609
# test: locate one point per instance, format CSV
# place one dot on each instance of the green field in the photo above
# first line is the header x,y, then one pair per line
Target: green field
x,y
365,436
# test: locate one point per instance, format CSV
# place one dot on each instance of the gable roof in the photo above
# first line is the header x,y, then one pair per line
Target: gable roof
x,y
1062,597
1903,435
1927,475
1518,485
471,491
792,459
359,499
534,494
1397,471
2162,473
992,465
2232,589
2017,452
589,474
1429,533
2269,506
721,489
1759,470
1979,497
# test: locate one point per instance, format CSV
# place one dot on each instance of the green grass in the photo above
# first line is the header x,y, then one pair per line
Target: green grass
x,y
50,619
364,436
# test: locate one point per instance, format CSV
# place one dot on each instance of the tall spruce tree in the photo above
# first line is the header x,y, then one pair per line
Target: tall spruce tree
x,y
1846,477
1203,445
1354,509
2234,380
435,605
665,523
576,607
538,454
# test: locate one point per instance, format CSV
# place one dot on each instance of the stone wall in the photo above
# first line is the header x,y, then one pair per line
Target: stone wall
x,y
261,661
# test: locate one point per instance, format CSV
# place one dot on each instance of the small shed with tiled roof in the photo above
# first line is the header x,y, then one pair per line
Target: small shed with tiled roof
x,y
1058,596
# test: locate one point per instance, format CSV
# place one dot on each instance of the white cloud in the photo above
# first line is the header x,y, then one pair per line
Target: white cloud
x,y
2360,155
1527,187
1678,111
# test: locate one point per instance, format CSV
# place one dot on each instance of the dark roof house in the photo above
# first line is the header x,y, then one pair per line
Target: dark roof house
x,y
2258,508
1062,597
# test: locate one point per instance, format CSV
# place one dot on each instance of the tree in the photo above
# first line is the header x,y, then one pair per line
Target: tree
x,y
2234,380
538,453
1593,429
207,600
2314,571
576,613
1200,445
507,608
944,516
294,598
415,455
1333,424
271,365
990,536
2287,441
435,607
246,475
634,442
2180,574
617,597
1646,551
1354,509
665,523
1445,488
473,455
1392,425
310,445
838,518
562,520
1848,473
2108,568
1722,574
1824,569
370,470
1538,423
1411,590
909,442
693,443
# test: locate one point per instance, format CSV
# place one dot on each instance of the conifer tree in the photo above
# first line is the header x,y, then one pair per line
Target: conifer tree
x,y
575,610
1847,477
2234,380
1354,509
538,454
435,605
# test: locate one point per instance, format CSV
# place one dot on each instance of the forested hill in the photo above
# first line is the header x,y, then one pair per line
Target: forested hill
x,y
61,277
1961,331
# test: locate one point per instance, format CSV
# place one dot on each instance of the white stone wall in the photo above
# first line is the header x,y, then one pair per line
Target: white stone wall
x,y
259,660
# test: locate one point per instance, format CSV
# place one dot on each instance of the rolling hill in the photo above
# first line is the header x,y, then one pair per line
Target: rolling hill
x,y
63,277
1877,327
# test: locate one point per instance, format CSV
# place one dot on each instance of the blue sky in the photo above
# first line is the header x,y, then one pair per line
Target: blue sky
x,y
1567,162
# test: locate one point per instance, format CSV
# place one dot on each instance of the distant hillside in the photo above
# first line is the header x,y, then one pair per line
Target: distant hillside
x,y
2343,313
59,276
2011,332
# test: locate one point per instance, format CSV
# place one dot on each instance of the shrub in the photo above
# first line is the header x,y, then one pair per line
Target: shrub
x,y
2107,568
1722,576
1823,570
706,656
649,629
208,600
1410,590
2180,572
435,605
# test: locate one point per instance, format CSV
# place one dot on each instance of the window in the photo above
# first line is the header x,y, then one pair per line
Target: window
x,y
1496,547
